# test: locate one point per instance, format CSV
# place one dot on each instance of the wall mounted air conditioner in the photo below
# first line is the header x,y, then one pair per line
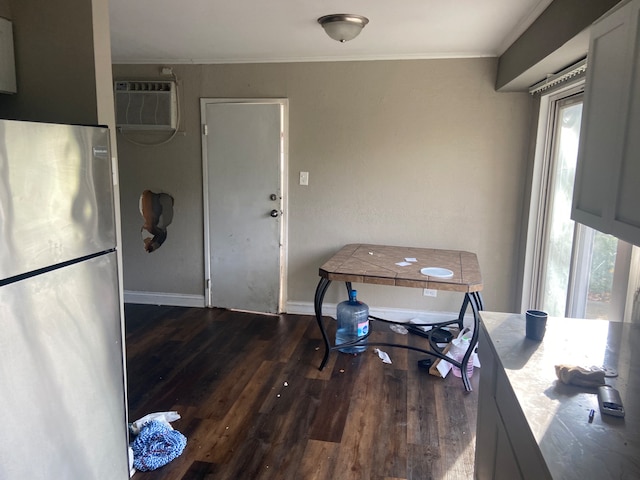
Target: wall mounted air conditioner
x,y
146,105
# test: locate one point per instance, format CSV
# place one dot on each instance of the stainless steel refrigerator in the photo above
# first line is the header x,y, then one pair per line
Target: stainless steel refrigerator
x,y
62,387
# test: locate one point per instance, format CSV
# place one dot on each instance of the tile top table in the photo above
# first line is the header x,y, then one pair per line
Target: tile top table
x,y
401,267
377,264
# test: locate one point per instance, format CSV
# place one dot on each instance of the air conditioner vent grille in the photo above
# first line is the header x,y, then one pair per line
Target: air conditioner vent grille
x,y
144,86
146,105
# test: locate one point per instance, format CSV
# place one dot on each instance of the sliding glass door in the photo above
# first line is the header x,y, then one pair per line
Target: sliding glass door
x,y
577,271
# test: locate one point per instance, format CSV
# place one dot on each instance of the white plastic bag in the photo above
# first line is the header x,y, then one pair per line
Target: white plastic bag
x,y
459,346
164,417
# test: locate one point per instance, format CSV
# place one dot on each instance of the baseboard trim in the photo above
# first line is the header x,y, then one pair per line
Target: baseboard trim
x,y
169,299
295,308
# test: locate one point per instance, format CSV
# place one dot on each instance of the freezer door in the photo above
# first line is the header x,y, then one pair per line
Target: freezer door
x,y
62,377
56,194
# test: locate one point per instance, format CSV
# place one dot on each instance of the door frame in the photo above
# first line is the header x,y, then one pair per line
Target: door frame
x,y
284,189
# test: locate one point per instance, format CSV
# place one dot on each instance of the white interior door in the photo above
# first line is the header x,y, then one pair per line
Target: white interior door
x,y
244,172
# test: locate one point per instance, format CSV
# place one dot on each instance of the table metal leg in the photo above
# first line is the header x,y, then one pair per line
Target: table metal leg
x,y
475,300
463,311
321,289
478,297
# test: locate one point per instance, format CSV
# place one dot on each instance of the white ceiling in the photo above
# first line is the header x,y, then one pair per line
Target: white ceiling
x,y
234,31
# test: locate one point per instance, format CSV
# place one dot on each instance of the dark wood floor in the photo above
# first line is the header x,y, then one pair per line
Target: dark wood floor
x,y
225,373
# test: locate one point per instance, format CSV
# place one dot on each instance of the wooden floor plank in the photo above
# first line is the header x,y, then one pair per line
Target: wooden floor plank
x,y
318,460
422,418
391,423
255,406
228,434
368,426
457,436
335,398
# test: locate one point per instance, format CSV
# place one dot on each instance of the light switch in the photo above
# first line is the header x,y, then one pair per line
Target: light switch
x,y
304,178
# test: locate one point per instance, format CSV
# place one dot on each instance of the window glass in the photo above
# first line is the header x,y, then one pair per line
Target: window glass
x,y
577,274
560,227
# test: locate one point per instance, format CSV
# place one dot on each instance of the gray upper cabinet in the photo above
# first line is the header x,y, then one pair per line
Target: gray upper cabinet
x,y
607,194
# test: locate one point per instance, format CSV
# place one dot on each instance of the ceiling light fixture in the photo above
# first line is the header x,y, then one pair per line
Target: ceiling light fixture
x,y
343,26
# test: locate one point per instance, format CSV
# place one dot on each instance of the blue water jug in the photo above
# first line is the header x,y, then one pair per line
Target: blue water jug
x,y
353,323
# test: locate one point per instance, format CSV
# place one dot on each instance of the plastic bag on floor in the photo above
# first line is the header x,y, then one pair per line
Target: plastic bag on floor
x,y
156,445
165,417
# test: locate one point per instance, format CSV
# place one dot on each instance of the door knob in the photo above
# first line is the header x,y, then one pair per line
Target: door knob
x,y
274,213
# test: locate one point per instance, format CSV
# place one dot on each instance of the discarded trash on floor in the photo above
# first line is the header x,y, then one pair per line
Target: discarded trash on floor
x,y
164,417
398,329
155,441
383,355
156,445
424,328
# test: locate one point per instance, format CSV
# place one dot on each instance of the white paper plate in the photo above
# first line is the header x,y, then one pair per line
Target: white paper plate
x,y
437,272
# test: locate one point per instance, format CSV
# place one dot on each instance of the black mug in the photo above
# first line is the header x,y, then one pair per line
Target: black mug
x,y
536,324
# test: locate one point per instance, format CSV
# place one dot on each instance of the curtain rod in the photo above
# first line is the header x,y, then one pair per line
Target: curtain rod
x,y
562,76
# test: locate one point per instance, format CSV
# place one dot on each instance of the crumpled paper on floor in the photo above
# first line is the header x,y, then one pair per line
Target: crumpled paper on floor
x,y
398,329
424,328
383,355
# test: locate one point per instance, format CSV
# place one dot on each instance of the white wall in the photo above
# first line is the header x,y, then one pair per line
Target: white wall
x,y
420,153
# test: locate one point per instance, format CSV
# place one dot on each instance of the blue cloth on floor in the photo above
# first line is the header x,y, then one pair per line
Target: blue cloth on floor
x,y
156,445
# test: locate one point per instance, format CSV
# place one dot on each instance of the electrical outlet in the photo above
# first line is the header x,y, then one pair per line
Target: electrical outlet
x,y
304,178
429,292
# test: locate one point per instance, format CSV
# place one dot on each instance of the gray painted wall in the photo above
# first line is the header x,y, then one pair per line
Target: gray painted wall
x,y
64,74
419,153
5,9
558,38
55,69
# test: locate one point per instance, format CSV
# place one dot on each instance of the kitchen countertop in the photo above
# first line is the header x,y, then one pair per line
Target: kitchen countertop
x,y
558,414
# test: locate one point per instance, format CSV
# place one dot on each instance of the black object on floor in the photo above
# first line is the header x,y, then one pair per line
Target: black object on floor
x,y
439,335
425,363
